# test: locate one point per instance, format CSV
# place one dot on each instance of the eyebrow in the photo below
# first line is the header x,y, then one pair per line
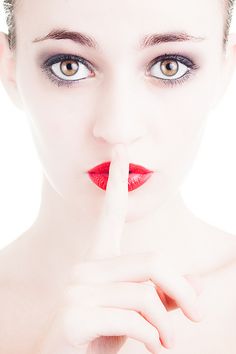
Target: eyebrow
x,y
148,40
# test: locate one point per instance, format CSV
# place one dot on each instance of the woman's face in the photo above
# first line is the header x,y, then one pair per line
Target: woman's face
x,y
128,93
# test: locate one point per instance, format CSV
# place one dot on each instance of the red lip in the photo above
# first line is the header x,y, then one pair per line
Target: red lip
x,y
138,175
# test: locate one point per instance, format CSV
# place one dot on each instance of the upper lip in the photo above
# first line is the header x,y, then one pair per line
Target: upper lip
x,y
133,168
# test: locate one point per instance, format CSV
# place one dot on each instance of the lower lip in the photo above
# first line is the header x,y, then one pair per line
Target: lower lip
x,y
135,180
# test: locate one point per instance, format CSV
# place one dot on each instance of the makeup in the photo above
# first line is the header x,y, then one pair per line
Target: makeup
x,y
53,65
138,175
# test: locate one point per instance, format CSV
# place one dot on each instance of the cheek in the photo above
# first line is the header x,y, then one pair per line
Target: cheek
x,y
178,127
59,129
58,116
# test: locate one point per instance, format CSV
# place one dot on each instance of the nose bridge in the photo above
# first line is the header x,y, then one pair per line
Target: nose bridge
x,y
117,118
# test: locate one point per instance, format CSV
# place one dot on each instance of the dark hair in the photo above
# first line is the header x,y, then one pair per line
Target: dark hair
x,y
10,7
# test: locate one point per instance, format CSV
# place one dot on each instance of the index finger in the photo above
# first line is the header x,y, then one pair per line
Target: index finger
x,y
110,224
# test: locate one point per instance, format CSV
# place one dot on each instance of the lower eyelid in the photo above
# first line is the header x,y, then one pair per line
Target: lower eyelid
x,y
178,81
171,83
165,82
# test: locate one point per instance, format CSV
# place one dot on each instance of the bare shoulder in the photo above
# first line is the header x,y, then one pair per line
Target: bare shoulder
x,y
221,277
215,232
227,242
13,306
23,306
24,315
217,245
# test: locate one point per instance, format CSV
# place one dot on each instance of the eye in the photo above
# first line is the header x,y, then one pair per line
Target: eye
x,y
64,69
172,69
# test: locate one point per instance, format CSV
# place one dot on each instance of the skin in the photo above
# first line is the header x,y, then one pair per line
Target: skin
x,y
76,128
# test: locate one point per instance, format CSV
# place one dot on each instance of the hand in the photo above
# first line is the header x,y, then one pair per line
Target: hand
x,y
112,296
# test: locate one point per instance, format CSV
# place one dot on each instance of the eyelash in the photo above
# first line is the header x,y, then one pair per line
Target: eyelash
x,y
69,83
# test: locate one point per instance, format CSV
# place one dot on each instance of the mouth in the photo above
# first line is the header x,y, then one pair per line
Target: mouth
x,y
138,175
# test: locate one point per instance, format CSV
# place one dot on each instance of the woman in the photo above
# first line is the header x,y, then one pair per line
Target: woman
x,y
103,265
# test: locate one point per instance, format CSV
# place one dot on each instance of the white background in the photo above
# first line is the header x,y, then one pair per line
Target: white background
x,y
209,189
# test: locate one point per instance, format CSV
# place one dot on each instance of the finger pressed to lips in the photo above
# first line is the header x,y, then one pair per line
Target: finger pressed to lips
x,y
109,226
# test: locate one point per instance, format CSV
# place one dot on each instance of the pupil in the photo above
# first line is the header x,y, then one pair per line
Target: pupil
x,y
169,66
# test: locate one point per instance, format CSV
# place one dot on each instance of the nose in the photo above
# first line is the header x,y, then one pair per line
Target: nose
x,y
118,119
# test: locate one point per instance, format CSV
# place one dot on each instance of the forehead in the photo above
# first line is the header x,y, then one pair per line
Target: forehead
x,y
113,22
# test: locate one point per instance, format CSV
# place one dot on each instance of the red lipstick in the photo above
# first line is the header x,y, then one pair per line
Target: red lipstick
x,y
138,175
